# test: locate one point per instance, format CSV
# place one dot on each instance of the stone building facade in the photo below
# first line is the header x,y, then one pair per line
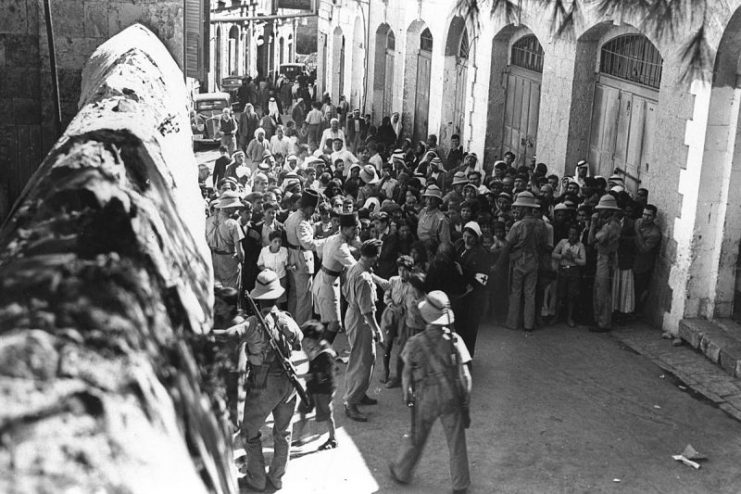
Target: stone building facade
x,y
255,47
610,93
27,130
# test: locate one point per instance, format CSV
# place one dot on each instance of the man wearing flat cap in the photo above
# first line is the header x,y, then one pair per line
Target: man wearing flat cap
x,y
362,330
301,246
336,256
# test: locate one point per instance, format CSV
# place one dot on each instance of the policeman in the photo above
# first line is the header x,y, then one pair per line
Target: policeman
x,y
437,382
270,390
336,255
362,330
301,247
526,242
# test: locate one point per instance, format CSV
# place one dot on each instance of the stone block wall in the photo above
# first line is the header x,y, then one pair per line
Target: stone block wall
x,y
27,126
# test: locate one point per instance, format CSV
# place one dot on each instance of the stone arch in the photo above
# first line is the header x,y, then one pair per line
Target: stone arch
x,y
233,50
455,77
418,60
716,273
514,91
357,83
586,120
338,61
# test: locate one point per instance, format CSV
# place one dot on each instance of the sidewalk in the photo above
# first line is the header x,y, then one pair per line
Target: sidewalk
x,y
689,366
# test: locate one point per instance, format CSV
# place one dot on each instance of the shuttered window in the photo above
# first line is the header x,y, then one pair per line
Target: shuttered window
x,y
196,18
425,41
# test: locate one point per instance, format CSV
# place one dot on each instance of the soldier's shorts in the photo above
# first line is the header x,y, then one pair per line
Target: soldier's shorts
x,y
324,407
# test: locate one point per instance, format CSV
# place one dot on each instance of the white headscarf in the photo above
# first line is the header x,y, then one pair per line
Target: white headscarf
x,y
273,108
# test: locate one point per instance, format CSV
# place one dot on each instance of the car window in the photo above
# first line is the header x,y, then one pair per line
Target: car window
x,y
213,104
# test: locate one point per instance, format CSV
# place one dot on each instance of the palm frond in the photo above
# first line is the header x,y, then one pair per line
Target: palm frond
x,y
563,17
508,9
613,8
696,57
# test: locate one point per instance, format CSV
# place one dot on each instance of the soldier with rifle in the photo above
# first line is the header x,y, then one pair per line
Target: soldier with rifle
x,y
267,339
436,383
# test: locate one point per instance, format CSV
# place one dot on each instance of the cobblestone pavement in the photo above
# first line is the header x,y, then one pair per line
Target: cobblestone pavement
x,y
561,410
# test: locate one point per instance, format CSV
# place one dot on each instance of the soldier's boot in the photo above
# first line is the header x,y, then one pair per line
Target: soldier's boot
x,y
352,412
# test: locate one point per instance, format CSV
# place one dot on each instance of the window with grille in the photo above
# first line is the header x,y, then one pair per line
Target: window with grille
x,y
527,53
425,41
633,58
464,47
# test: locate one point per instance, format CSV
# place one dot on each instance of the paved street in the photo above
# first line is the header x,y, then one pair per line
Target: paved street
x,y
561,410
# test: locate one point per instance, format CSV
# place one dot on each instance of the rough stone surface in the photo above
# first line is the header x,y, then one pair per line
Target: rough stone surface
x,y
106,295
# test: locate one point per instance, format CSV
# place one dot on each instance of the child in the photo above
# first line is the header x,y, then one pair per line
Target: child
x,y
320,382
413,323
393,315
275,257
571,256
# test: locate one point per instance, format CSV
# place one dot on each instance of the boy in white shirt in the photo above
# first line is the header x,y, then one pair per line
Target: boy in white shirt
x,y
571,256
275,257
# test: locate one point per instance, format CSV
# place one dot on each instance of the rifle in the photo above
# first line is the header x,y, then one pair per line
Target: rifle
x,y
284,361
412,405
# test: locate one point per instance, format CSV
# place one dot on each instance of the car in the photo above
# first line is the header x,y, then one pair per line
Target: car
x,y
291,70
231,85
204,120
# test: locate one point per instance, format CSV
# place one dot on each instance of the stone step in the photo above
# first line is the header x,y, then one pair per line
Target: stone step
x,y
719,340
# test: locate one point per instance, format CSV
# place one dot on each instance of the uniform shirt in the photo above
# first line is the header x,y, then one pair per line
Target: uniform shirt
x,y
428,351
336,254
607,239
281,326
433,224
275,261
300,235
528,238
226,235
360,291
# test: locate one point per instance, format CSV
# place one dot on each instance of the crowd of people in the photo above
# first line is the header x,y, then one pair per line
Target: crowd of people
x,y
369,233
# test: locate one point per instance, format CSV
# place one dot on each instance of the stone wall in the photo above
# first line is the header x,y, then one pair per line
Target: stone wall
x,y
26,105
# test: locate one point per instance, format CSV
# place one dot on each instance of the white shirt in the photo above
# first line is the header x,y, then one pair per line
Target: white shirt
x,y
282,146
275,261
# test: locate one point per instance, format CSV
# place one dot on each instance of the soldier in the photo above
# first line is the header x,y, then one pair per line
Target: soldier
x,y
326,289
301,244
270,390
526,242
225,240
604,234
436,383
362,330
433,224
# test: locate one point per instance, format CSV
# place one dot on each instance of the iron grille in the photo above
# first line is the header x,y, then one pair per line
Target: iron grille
x,y
464,47
527,53
634,58
425,41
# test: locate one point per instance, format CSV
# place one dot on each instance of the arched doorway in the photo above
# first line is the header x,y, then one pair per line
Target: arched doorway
x,y
358,64
626,94
338,61
233,50
522,100
457,48
417,76
383,79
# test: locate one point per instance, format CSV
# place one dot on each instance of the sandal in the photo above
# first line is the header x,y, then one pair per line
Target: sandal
x,y
330,444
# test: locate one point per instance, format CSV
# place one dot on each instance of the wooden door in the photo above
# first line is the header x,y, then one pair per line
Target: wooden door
x,y
459,108
388,84
422,96
521,114
621,137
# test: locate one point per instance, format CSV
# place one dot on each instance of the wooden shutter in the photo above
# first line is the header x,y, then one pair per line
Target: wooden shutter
x,y
194,38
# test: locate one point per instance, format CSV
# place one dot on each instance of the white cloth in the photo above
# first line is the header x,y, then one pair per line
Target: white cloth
x,y
275,261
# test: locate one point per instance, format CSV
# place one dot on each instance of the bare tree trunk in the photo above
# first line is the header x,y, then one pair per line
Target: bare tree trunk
x,y
105,283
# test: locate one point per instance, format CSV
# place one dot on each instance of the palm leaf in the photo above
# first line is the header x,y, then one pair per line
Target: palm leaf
x,y
697,58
